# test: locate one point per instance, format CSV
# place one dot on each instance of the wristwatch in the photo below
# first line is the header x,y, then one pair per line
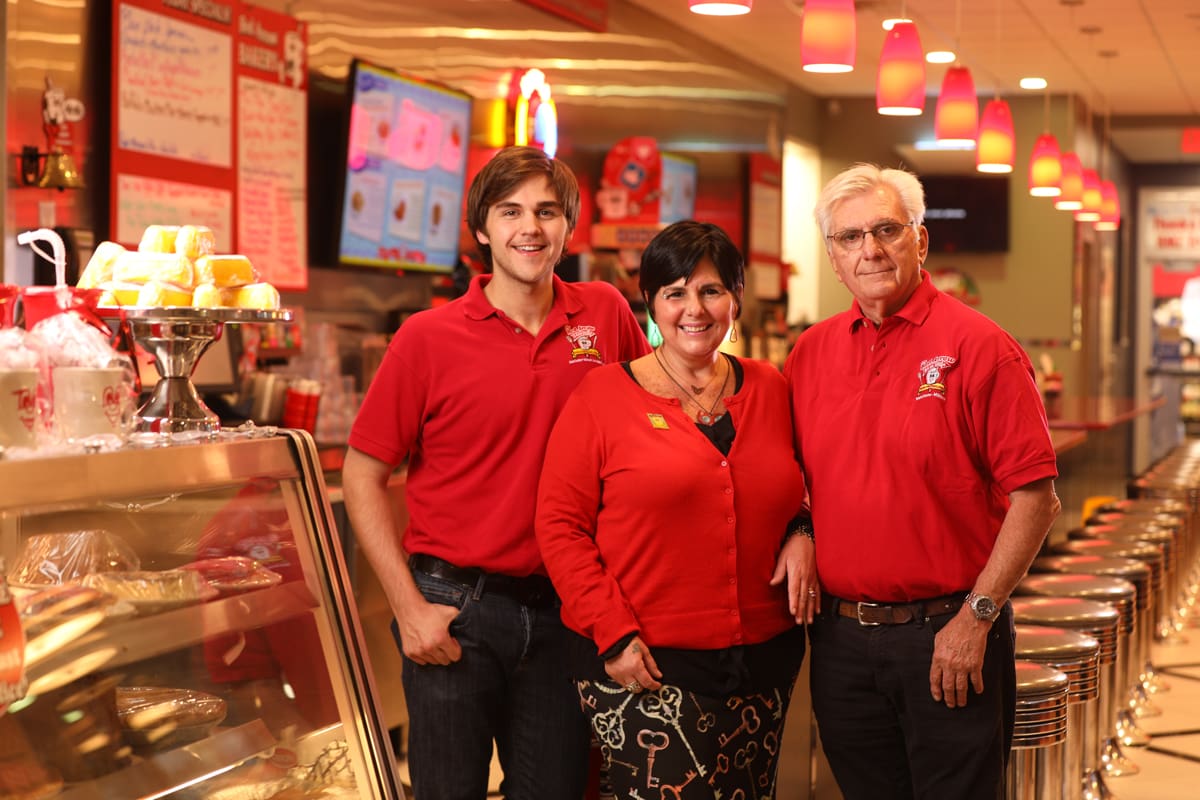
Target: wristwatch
x,y
983,607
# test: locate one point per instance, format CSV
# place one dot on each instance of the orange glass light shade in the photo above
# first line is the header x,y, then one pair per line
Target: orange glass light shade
x,y
828,36
1092,198
997,143
1071,196
1045,167
1110,207
956,119
720,8
900,84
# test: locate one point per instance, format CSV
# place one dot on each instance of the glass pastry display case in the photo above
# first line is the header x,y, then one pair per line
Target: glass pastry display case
x,y
190,629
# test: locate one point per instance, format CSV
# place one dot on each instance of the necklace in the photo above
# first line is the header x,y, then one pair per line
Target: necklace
x,y
707,415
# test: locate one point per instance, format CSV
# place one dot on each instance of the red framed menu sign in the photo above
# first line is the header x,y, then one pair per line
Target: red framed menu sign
x,y
209,128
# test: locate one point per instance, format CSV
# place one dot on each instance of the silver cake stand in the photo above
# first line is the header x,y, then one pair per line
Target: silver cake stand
x,y
177,337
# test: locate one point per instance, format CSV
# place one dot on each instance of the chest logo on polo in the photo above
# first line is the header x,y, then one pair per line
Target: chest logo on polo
x,y
932,377
583,344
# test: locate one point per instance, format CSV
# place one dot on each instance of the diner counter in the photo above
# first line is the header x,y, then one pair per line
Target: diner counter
x,y
1064,440
1097,413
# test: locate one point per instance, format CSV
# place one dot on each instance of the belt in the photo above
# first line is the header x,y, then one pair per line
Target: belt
x,y
535,591
893,613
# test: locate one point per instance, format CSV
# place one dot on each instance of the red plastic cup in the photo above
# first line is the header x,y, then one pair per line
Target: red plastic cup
x,y
8,304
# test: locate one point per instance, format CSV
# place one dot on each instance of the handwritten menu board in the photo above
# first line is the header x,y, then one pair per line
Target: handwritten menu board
x,y
200,91
405,171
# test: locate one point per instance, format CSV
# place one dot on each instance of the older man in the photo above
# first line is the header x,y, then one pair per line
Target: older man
x,y
931,476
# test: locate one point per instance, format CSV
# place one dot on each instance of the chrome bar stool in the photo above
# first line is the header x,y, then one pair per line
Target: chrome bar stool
x,y
1119,595
1151,555
1100,621
1168,625
1035,766
1078,656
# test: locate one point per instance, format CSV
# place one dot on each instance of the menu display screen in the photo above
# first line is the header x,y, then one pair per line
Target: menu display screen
x,y
406,160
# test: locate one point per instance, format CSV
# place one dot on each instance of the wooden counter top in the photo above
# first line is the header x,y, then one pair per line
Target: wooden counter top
x,y
1097,413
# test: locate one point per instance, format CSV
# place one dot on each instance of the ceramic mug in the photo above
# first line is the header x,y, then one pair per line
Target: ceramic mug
x,y
18,407
90,401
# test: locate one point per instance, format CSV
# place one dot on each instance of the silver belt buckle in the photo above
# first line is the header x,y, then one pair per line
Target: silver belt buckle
x,y
859,610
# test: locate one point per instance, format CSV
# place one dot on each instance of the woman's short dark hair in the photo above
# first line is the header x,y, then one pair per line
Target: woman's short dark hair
x,y
504,174
678,248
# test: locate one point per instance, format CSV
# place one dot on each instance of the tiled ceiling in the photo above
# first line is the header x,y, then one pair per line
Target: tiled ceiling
x,y
1134,59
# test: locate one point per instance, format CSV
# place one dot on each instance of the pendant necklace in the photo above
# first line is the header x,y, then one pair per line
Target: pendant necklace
x,y
707,415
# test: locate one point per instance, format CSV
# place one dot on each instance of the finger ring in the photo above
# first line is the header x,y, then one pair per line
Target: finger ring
x,y
633,687
812,592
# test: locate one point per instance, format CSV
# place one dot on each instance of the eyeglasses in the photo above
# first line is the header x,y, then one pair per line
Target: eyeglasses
x,y
885,233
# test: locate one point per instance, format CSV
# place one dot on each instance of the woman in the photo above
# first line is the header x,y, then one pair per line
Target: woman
x,y
665,508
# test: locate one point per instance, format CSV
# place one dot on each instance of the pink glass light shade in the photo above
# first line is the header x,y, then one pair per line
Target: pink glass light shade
x,y
720,8
1071,196
1093,199
828,36
997,143
1110,207
1045,167
956,119
900,83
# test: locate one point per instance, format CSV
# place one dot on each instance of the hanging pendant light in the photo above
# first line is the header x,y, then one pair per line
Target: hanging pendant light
x,y
716,8
1092,198
1110,207
956,119
900,84
828,36
1071,196
997,142
1045,167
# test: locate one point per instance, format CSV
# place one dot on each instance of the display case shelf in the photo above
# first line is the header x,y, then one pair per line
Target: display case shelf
x,y
143,637
164,773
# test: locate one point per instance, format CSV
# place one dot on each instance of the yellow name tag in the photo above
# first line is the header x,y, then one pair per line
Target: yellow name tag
x,y
658,421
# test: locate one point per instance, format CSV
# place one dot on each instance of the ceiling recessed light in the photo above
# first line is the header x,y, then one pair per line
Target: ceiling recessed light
x,y
1033,83
940,57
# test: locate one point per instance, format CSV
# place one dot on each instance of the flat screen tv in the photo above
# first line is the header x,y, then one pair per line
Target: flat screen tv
x,y
406,162
966,213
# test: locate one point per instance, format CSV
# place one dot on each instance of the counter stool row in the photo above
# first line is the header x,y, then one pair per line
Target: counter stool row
x,y
1086,617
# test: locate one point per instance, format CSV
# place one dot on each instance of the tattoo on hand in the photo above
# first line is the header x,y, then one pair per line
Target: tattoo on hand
x,y
637,648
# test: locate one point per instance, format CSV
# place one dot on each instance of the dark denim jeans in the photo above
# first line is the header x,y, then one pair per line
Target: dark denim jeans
x,y
511,686
882,732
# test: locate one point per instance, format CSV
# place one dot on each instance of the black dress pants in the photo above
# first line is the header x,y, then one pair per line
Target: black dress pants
x,y
883,733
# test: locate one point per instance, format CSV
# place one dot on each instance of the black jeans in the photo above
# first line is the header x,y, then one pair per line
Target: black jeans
x,y
510,686
883,733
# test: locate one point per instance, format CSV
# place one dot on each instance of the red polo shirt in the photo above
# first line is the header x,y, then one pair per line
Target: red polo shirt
x,y
911,436
470,397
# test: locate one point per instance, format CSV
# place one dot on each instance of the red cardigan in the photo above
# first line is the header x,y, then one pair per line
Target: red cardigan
x,y
645,526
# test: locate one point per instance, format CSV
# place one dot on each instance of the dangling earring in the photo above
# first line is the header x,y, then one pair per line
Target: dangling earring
x,y
733,337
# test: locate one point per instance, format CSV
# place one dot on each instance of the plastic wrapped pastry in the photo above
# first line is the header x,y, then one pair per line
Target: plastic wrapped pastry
x,y
233,574
225,271
160,718
194,241
257,295
153,592
161,295
99,268
119,294
165,267
158,239
52,558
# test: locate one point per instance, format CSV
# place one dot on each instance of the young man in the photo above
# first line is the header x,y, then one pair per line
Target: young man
x,y
468,393
930,470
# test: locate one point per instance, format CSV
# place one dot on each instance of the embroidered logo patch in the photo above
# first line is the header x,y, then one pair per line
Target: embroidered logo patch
x,y
932,376
583,344
658,422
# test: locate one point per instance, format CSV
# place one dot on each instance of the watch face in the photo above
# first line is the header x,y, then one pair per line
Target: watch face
x,y
984,607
